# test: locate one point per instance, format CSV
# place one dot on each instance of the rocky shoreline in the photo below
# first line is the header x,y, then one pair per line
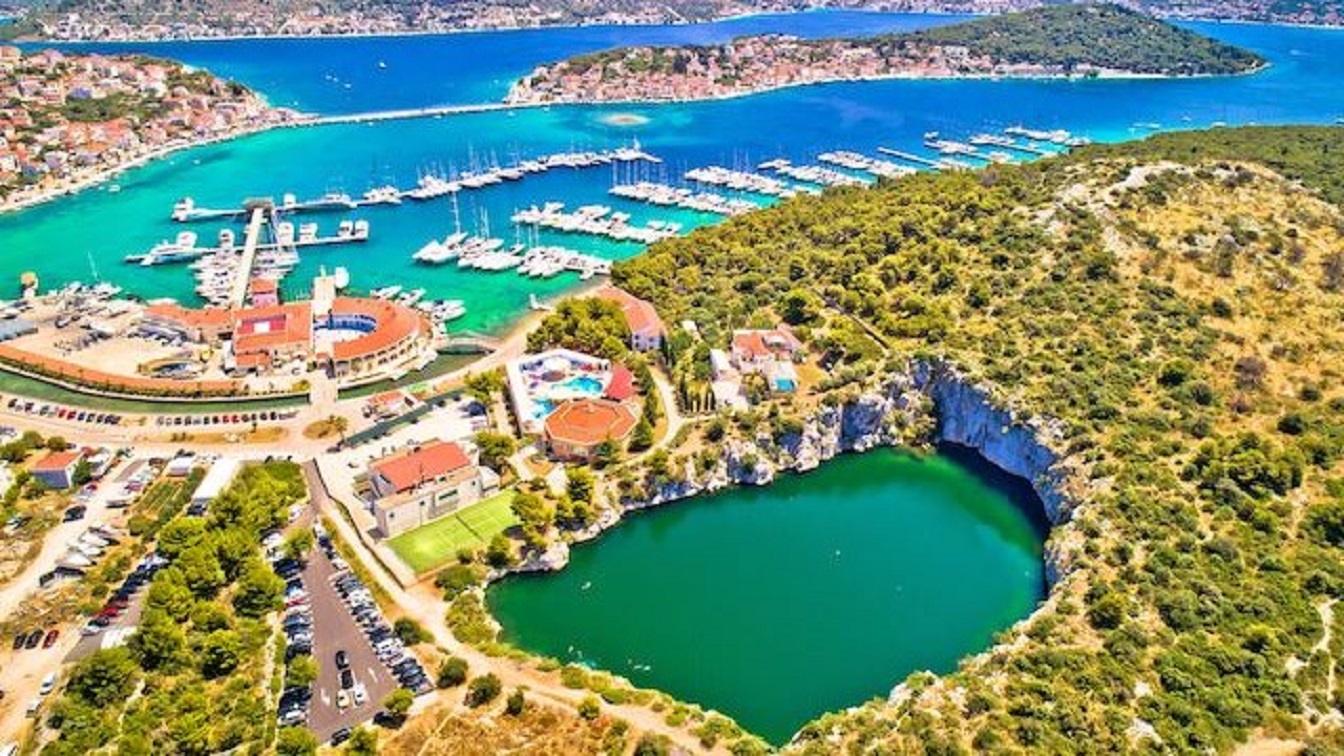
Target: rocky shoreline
x,y
926,404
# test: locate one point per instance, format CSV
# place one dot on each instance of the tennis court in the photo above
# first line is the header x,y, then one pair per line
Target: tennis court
x,y
437,543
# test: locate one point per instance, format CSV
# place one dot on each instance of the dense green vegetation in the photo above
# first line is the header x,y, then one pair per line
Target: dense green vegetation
x,y
202,643
1068,36
1173,306
1101,35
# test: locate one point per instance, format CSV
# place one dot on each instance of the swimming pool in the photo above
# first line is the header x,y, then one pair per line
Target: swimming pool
x,y
584,384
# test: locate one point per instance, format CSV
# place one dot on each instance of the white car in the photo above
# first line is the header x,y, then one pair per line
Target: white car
x,y
342,699
48,684
359,694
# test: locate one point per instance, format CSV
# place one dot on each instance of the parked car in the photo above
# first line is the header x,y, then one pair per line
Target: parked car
x,y
342,699
342,660
340,736
50,640
19,639
34,638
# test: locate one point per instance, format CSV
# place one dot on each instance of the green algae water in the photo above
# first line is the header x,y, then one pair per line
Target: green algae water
x,y
774,605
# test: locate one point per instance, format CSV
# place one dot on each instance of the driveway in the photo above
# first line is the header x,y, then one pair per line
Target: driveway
x,y
335,629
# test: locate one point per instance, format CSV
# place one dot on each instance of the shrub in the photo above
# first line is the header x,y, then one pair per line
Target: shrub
x,y
452,672
482,690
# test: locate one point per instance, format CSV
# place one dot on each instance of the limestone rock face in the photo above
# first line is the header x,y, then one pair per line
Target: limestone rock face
x,y
967,414
555,557
928,402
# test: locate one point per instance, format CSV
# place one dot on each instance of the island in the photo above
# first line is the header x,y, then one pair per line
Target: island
x,y
69,121
1054,41
135,20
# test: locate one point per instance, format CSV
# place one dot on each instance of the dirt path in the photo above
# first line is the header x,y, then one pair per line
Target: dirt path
x,y
424,604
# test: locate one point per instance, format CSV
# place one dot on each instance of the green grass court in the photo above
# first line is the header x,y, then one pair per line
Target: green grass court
x,y
432,545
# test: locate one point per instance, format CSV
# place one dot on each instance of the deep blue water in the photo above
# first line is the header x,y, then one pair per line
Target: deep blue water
x,y
59,239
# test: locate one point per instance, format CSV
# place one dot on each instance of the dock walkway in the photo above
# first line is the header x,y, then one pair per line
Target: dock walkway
x,y
238,295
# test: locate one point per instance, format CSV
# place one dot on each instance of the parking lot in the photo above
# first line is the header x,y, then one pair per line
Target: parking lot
x,y
334,614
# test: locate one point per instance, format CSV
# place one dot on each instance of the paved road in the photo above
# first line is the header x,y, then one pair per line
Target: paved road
x,y
335,629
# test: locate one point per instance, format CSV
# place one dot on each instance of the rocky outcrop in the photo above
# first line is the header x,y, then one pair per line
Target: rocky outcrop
x,y
968,414
928,403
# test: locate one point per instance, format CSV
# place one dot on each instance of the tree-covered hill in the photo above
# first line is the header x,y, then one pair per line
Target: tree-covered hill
x,y
1063,40
1102,35
1175,304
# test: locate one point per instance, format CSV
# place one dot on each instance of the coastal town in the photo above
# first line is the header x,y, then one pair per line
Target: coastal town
x,y
751,427
130,20
69,120
998,47
744,66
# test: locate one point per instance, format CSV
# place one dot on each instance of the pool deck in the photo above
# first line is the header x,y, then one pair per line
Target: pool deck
x,y
526,394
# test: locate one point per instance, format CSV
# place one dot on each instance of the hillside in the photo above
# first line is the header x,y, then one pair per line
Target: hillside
x,y
1103,36
140,20
1055,41
1171,308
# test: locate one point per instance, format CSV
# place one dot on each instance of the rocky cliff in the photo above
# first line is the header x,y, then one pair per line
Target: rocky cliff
x,y
928,403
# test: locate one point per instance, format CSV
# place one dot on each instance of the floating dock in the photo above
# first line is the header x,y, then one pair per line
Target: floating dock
x,y
186,250
595,220
429,186
664,195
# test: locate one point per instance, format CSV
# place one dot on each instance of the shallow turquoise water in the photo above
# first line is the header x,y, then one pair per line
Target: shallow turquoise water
x,y
777,604
68,239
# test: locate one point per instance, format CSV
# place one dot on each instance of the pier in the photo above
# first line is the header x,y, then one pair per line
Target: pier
x,y
238,294
429,186
910,158
812,174
595,220
741,181
670,196
469,342
185,248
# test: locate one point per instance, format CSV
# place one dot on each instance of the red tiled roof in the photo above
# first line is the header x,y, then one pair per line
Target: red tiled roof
x,y
622,384
640,315
209,317
57,461
262,286
395,323
590,421
406,470
266,328
754,342
75,373
253,359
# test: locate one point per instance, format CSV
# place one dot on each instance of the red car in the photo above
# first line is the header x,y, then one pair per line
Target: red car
x,y
50,640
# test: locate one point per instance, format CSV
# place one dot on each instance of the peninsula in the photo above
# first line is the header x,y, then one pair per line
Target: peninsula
x,y
1054,41
70,121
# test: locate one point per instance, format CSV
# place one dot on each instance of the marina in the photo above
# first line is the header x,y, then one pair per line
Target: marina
x,y
184,248
812,174
595,220
430,185
670,196
857,162
486,254
741,181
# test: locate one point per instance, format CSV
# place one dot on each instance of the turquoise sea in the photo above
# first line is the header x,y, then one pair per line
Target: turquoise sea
x,y
74,237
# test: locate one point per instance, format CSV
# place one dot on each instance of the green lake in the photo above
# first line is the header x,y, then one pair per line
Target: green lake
x,y
774,605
